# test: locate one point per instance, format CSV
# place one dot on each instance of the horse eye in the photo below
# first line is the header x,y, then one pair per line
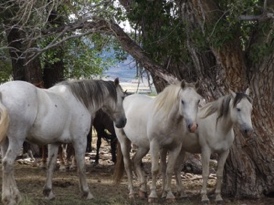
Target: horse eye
x,y
183,102
238,109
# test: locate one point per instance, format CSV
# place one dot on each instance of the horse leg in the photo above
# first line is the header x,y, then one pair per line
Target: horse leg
x,y
155,154
172,158
177,169
80,160
125,146
220,170
52,157
99,142
137,160
10,192
71,156
30,153
113,146
44,157
63,160
205,172
89,137
163,169
125,149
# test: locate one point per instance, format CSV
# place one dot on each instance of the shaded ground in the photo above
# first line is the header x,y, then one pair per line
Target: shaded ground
x,y
31,180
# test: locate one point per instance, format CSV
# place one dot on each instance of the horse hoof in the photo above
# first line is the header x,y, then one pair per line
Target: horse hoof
x,y
12,200
48,194
142,194
219,202
152,200
131,196
89,196
170,200
62,169
43,167
50,197
73,168
205,202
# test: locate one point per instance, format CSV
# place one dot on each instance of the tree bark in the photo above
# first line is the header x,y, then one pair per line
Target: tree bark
x,y
30,72
248,170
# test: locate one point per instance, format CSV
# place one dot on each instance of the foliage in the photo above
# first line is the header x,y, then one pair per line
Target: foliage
x,y
83,57
163,34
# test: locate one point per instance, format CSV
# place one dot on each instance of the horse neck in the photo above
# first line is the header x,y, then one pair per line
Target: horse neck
x,y
225,123
172,116
94,107
174,112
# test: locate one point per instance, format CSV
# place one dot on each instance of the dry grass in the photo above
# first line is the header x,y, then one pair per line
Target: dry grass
x,y
30,181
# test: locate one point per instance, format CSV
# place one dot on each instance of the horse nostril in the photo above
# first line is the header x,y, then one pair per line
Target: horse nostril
x,y
189,127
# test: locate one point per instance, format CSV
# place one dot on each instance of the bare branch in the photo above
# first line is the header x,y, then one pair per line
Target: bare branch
x,y
256,18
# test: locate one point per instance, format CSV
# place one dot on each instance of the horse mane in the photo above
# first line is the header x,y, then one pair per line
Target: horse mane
x,y
165,100
91,92
221,105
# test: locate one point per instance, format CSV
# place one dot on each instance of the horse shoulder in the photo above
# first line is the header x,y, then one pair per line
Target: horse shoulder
x,y
212,136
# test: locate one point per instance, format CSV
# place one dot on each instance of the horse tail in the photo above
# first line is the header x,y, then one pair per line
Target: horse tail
x,y
4,120
119,165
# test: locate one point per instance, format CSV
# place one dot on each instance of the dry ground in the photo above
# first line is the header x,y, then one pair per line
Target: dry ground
x,y
31,179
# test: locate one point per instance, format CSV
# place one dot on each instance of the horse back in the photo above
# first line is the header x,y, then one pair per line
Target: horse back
x,y
137,103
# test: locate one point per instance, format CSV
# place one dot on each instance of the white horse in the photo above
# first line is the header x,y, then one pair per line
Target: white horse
x,y
61,114
215,135
154,124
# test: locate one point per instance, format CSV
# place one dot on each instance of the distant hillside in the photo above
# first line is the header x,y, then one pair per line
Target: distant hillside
x,y
126,70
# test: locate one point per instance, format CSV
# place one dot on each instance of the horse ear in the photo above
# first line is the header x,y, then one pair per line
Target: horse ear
x,y
232,93
183,84
116,81
247,91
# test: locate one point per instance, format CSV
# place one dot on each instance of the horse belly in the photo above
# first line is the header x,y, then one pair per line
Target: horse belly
x,y
137,111
136,136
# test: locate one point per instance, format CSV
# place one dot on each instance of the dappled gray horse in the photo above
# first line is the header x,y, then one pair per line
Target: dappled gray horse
x,y
60,114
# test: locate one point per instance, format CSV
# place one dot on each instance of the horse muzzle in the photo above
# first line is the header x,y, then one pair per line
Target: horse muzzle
x,y
121,123
192,127
247,132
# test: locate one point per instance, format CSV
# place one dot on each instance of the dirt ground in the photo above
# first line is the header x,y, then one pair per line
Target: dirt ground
x,y
30,181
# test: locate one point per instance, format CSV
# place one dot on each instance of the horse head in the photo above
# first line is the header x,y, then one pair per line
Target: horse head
x,y
114,108
241,111
189,100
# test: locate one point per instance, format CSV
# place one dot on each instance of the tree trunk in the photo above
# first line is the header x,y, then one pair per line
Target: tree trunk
x,y
248,170
54,72
22,69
